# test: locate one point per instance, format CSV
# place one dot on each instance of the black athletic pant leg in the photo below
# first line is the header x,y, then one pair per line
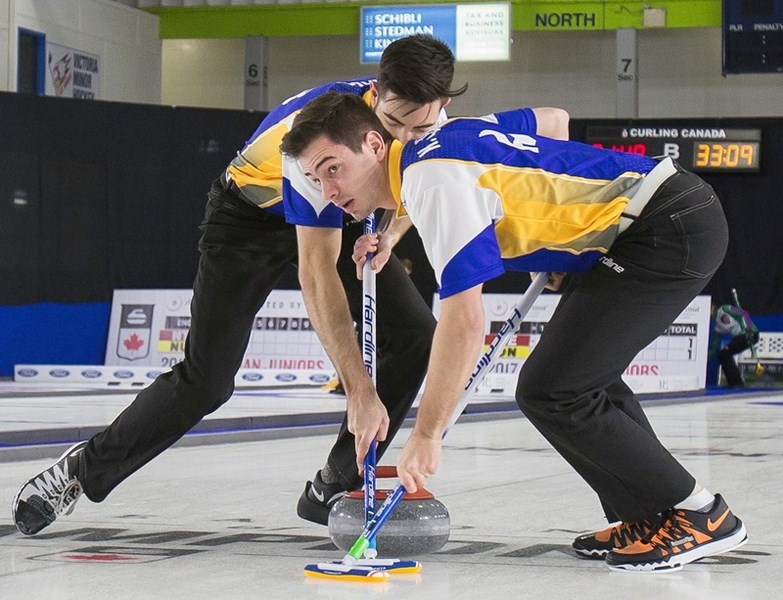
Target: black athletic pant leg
x,y
243,253
739,343
609,315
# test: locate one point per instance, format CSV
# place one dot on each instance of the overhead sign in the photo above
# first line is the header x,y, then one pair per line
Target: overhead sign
x,y
474,32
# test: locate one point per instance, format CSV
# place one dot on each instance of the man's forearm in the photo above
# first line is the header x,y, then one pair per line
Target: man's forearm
x,y
327,308
394,228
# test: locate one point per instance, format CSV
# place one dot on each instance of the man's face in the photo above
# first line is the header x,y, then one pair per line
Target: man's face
x,y
352,180
404,119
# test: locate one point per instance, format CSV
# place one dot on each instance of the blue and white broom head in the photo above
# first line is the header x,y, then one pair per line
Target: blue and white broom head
x,y
393,566
343,572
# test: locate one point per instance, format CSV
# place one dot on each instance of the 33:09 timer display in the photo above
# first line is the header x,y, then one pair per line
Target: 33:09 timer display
x,y
723,155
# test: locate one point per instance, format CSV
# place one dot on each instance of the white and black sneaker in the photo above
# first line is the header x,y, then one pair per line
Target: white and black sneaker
x,y
317,500
50,493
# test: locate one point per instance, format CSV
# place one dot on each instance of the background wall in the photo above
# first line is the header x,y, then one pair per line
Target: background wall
x,y
5,23
126,40
151,213
203,73
82,215
679,74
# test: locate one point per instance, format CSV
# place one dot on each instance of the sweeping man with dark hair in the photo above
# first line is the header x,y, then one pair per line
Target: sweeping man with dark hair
x,y
644,236
253,230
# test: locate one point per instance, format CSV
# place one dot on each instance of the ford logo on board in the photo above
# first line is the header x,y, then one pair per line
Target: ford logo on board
x,y
27,372
252,377
319,378
286,377
123,374
91,373
59,373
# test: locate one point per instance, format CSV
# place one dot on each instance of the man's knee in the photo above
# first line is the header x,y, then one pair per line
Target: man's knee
x,y
534,391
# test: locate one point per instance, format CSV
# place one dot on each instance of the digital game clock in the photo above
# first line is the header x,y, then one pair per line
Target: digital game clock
x,y
699,149
719,155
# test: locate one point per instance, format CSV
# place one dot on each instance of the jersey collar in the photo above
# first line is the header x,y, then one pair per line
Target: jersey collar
x,y
367,97
395,175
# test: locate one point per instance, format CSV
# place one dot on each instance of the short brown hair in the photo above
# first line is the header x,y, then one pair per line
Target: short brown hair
x,y
418,68
343,118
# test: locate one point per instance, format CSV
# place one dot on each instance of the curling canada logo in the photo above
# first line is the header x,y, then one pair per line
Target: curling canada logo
x,y
133,342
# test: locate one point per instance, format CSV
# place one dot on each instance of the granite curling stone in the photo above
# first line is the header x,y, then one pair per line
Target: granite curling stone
x,y
419,525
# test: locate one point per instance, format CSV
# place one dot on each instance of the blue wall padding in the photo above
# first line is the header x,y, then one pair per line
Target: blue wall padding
x,y
768,322
75,334
50,333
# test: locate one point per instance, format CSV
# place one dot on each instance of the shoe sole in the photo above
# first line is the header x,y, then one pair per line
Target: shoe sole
x,y
734,540
15,503
591,554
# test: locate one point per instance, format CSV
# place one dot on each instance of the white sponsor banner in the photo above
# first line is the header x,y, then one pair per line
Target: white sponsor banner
x,y
675,362
71,73
148,328
483,32
473,32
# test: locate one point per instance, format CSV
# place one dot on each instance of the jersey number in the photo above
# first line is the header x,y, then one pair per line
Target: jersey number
x,y
519,141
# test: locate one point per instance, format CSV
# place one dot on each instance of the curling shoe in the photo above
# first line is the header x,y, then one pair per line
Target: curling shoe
x,y
317,500
683,537
599,543
50,493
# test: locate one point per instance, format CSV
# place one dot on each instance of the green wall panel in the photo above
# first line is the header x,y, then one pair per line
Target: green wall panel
x,y
338,18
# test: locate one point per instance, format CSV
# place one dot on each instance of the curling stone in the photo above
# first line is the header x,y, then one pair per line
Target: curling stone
x,y
419,525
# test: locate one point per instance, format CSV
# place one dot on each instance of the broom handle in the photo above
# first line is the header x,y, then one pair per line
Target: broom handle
x,y
482,368
370,362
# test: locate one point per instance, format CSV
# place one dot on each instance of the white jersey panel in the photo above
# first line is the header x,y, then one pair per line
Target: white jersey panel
x,y
302,185
433,192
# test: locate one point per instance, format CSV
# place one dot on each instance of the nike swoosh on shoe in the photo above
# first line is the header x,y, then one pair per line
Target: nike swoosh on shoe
x,y
713,525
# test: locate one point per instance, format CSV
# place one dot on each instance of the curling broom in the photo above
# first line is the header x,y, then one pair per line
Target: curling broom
x,y
351,561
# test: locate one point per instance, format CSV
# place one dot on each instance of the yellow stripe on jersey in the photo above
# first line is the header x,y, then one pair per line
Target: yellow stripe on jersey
x,y
555,211
395,176
258,169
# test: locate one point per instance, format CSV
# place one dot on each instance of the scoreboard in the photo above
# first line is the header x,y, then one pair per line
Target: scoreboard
x,y
697,148
752,36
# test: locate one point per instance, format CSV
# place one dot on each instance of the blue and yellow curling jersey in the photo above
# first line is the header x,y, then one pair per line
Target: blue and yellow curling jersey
x,y
276,184
486,194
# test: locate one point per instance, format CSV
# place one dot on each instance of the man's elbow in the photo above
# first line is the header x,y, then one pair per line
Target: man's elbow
x,y
561,119
553,123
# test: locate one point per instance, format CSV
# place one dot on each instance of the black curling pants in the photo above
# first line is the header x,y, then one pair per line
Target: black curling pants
x,y
739,343
244,251
570,387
